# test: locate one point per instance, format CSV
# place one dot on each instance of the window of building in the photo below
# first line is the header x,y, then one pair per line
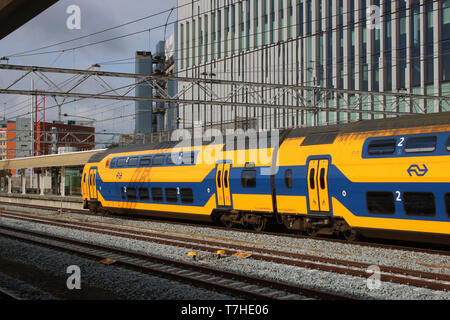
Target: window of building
x,y
288,178
145,161
143,194
206,39
383,146
187,44
266,21
131,193
447,204
187,196
121,162
419,204
420,144
157,195
171,195
248,179
158,160
132,162
445,43
182,45
380,202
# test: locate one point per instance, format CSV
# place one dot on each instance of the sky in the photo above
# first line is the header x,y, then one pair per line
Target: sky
x,y
50,27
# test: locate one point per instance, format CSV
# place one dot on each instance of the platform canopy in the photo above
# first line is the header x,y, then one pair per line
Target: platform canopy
x,y
74,159
15,13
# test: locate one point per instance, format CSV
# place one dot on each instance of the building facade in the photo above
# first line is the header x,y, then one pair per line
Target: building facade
x,y
48,138
365,45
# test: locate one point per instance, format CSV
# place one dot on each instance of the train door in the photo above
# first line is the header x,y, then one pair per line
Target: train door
x,y
85,185
226,185
318,193
93,183
223,184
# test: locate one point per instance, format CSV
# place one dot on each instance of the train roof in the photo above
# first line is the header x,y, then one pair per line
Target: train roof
x,y
314,135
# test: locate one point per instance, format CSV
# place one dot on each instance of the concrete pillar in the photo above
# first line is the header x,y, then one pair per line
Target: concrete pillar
x,y
63,182
9,185
23,180
41,184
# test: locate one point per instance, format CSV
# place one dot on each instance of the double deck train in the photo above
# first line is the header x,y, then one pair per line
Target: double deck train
x,y
386,178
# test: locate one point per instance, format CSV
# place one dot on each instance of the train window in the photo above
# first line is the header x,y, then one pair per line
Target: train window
x,y
131,193
248,178
219,179
447,204
121,162
158,160
380,202
84,178
113,163
421,144
383,146
448,144
322,179
143,194
171,195
145,161
288,178
225,179
189,158
123,192
107,163
187,196
132,162
172,159
312,178
419,204
157,194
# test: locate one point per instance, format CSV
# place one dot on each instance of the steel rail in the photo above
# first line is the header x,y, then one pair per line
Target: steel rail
x,y
359,269
234,283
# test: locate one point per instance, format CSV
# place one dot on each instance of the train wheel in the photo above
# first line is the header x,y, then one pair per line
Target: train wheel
x,y
226,221
260,224
351,235
311,232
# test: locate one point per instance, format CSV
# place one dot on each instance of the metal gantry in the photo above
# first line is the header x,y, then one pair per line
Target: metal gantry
x,y
235,94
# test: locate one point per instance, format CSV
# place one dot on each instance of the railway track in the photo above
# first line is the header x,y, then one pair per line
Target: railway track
x,y
374,243
223,281
434,281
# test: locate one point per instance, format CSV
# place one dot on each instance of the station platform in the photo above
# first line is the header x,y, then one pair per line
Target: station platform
x,y
66,202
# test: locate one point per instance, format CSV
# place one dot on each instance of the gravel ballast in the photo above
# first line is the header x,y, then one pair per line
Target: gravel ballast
x,y
337,283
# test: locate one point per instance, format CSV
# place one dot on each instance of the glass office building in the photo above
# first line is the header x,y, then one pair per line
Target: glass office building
x,y
366,45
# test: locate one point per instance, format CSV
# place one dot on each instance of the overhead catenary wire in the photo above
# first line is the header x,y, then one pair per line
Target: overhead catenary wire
x,y
293,39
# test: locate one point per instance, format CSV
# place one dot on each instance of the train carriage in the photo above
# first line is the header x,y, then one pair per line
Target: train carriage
x,y
387,178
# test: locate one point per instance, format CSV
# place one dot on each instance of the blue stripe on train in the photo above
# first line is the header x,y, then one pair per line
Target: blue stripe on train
x,y
354,199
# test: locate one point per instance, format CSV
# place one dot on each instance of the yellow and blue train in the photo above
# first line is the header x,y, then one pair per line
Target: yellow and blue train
x,y
385,178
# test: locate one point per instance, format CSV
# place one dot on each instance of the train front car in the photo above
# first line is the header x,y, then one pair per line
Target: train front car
x,y
161,180
386,178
